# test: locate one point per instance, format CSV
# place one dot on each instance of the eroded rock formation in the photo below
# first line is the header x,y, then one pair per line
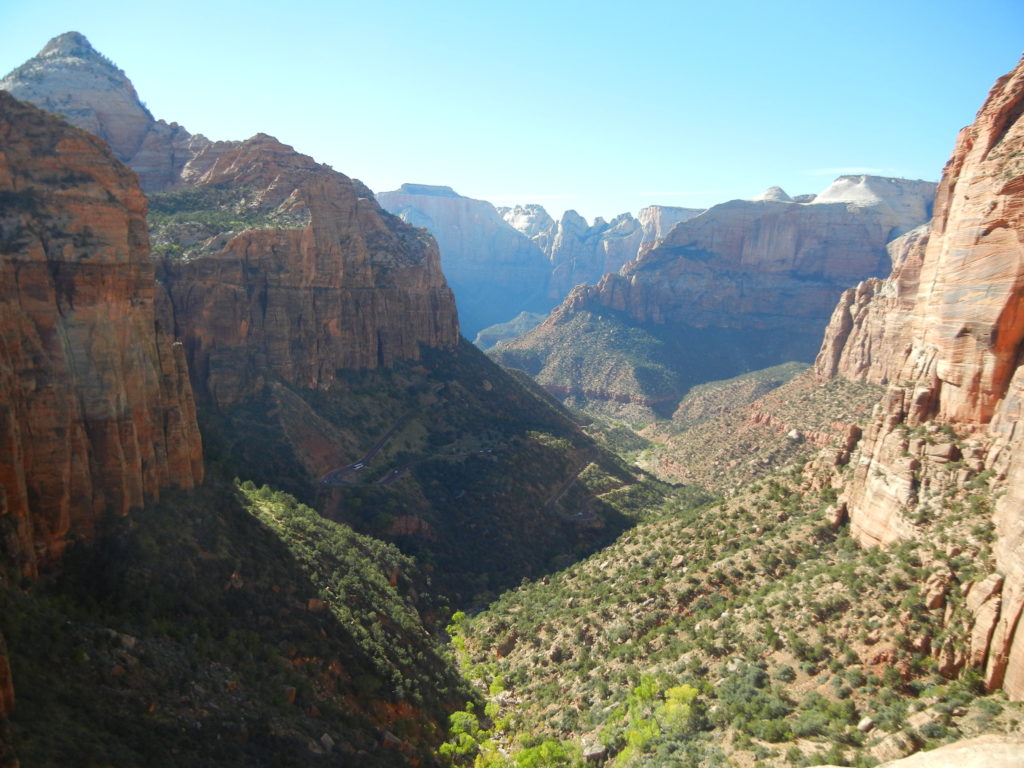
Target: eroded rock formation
x,y
275,265
97,413
769,263
946,332
582,253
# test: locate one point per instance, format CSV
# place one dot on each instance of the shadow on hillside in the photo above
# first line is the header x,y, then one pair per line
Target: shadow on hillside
x,y
193,635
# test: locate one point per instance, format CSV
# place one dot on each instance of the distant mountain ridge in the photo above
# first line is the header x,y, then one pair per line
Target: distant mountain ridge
x,y
762,275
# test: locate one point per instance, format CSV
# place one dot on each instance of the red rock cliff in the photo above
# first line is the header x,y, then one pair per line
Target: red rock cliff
x,y
946,332
96,413
319,278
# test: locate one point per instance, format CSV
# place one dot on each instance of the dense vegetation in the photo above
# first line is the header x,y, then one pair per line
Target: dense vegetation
x,y
188,222
750,630
228,626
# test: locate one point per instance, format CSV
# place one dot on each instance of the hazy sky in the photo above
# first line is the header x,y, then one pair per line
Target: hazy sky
x,y
598,106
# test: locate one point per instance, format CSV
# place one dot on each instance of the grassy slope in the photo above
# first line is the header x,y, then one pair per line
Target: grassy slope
x,y
788,633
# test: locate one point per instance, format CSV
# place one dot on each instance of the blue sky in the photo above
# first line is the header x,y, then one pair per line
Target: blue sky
x,y
598,106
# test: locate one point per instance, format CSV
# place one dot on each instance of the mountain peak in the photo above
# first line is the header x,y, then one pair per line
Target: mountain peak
x,y
69,45
70,77
776,194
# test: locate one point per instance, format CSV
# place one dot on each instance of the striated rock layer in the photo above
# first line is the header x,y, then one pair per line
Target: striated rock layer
x,y
768,264
946,332
97,412
322,279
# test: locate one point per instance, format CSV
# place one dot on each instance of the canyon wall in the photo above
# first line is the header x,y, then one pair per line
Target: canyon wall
x,y
319,280
768,263
582,253
97,414
946,332
495,271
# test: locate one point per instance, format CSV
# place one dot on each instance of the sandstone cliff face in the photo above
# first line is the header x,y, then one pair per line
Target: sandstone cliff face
x,y
97,414
582,253
658,220
321,280
71,78
495,271
767,263
946,332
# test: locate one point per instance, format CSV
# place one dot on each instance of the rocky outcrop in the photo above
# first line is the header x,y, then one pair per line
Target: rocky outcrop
x,y
534,222
989,751
946,332
69,77
865,336
777,194
97,414
658,220
495,271
322,280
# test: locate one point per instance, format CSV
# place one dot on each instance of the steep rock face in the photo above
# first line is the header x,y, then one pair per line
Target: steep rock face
x,y
320,281
767,263
71,78
865,339
582,253
98,414
495,271
658,220
946,332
